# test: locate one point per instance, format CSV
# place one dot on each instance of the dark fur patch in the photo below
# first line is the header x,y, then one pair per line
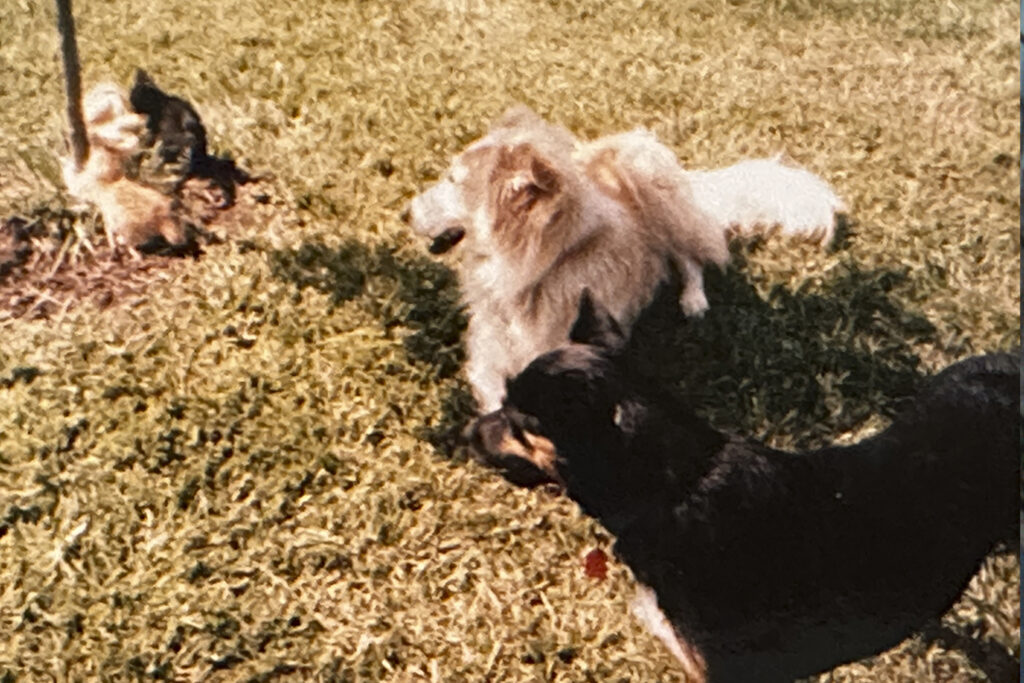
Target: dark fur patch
x,y
174,127
779,565
172,122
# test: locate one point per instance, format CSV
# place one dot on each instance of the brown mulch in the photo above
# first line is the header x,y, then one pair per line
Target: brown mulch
x,y
45,269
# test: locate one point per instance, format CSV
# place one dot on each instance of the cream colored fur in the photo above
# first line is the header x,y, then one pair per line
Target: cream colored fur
x,y
546,215
645,608
132,213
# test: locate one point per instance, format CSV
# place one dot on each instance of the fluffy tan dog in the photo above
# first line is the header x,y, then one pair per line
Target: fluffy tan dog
x,y
537,215
133,214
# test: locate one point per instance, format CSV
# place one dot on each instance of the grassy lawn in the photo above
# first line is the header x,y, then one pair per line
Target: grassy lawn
x,y
246,469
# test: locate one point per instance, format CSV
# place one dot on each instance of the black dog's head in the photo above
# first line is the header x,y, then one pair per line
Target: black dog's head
x,y
565,396
576,417
146,97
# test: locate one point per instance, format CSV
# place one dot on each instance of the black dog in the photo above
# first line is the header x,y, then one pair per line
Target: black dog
x,y
174,125
171,121
771,565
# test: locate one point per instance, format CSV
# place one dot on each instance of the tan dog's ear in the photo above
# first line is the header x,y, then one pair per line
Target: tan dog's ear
x,y
522,180
518,116
545,178
527,171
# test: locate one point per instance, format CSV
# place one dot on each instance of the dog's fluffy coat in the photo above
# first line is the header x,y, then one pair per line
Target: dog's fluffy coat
x,y
536,216
133,214
770,565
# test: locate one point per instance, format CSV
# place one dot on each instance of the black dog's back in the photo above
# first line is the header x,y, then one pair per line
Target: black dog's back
x,y
970,413
780,565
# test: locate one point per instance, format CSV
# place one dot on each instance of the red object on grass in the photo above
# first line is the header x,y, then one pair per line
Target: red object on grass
x,y
595,564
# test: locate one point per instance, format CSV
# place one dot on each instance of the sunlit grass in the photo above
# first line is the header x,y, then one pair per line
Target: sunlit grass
x,y
247,470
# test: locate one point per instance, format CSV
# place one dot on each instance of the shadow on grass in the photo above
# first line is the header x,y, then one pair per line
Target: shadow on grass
x,y
429,288
808,364
436,318
986,654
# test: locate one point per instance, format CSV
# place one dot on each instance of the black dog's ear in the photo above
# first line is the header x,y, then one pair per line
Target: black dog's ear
x,y
142,78
595,325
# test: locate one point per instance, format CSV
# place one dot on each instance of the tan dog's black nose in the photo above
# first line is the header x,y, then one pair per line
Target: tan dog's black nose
x,y
406,215
446,240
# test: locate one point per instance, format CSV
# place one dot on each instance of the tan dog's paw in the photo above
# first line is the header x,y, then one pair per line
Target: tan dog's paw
x,y
694,302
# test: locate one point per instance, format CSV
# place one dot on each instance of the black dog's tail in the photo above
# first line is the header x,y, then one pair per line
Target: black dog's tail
x,y
987,385
977,402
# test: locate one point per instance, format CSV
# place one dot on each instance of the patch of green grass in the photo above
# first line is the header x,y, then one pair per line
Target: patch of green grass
x,y
249,472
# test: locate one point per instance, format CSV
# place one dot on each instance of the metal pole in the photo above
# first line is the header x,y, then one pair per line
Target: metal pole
x,y
72,82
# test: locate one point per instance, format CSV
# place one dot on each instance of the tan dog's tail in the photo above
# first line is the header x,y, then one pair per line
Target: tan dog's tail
x,y
765,197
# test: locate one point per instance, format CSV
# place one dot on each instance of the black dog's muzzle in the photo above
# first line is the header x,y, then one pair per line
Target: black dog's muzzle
x,y
490,437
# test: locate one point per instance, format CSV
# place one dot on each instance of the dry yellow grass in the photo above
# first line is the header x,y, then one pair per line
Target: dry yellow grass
x,y
247,472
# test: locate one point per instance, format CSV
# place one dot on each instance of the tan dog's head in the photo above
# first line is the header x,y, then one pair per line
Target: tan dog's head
x,y
110,122
114,133
509,194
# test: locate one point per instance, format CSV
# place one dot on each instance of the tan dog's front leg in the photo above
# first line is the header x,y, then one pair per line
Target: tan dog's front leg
x,y
483,371
488,387
692,300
